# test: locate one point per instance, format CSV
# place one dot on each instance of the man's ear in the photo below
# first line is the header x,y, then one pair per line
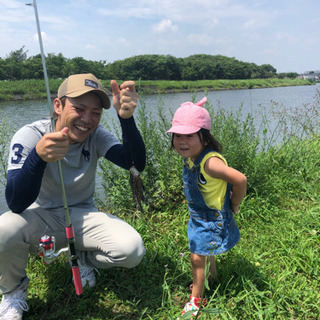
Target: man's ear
x,y
57,106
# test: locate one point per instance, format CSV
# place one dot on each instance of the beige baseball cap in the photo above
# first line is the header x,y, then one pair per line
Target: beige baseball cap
x,y
78,84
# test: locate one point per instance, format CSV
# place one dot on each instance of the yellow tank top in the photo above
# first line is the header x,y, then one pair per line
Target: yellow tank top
x,y
213,190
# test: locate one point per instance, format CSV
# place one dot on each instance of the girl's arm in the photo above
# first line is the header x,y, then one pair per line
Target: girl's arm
x,y
217,169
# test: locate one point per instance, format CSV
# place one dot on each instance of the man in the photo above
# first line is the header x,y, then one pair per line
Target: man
x,y
33,190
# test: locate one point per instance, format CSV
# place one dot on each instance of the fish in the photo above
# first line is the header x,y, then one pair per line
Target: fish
x,y
136,187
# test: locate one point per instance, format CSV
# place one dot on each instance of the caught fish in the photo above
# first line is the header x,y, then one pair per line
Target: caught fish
x,y
136,187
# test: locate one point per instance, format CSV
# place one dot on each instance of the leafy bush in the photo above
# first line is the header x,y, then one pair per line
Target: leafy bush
x,y
5,133
273,273
271,169
278,218
162,175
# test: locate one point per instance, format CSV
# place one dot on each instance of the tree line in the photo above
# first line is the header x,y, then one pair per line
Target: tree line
x,y
17,66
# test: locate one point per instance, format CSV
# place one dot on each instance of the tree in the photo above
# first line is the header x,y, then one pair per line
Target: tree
x,y
267,71
15,64
17,55
2,70
290,75
144,67
56,65
33,68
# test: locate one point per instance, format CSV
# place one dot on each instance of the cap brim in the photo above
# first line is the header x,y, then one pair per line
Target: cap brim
x,y
183,130
106,103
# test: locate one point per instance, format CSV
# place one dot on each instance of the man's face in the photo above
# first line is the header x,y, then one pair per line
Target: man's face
x,y
81,115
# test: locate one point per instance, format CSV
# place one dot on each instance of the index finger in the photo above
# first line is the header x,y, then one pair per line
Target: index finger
x,y
114,87
130,85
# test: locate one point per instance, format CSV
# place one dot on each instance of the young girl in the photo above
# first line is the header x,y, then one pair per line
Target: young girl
x,y
213,190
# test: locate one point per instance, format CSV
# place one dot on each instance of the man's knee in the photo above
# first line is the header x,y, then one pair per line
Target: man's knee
x,y
132,251
11,227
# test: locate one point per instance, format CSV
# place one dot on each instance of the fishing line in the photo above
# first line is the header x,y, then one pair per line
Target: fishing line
x,y
69,227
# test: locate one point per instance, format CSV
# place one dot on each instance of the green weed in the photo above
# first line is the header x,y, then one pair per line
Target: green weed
x,y
273,273
35,89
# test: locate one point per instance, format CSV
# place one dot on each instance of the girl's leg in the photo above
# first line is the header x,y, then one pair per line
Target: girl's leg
x,y
198,264
213,267
212,270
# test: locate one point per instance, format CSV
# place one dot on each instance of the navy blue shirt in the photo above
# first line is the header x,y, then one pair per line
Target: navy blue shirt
x,y
25,183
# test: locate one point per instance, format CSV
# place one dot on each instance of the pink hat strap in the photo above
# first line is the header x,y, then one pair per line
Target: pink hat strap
x,y
199,103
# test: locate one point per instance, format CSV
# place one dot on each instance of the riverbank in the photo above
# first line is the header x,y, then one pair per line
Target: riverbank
x,y
273,271
35,89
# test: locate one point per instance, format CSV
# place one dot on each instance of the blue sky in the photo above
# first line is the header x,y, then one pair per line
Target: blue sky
x,y
283,33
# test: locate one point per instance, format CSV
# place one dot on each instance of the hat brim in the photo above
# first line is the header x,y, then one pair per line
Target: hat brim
x,y
101,94
183,129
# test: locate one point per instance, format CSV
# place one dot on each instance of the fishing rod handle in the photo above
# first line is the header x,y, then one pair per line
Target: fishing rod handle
x,y
74,260
77,280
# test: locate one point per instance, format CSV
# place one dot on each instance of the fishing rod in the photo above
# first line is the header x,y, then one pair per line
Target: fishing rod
x,y
47,243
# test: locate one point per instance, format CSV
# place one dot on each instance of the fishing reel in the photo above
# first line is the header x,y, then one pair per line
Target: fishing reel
x,y
47,248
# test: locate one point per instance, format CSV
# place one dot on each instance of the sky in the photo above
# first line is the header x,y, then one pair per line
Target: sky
x,y
283,33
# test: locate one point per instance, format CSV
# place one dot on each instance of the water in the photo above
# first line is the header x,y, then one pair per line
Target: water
x,y
254,101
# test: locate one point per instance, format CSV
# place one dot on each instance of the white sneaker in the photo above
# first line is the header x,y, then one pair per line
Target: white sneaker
x,y
13,305
88,276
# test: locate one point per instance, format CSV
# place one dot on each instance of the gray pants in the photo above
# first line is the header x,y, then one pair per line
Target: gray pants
x,y
101,240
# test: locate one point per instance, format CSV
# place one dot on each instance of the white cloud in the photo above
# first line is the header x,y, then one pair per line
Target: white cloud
x,y
259,31
254,24
287,37
126,13
43,36
222,40
46,40
123,42
90,46
166,25
271,53
12,4
252,36
200,39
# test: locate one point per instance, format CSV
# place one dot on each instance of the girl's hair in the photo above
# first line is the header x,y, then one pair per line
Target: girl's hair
x,y
207,140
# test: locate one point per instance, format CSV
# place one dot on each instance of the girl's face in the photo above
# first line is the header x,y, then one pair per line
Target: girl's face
x,y
188,145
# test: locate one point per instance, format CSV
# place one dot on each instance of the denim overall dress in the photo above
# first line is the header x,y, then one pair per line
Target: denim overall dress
x,y
210,231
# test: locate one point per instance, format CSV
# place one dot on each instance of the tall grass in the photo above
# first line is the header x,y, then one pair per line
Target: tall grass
x,y
35,89
177,86
6,128
273,273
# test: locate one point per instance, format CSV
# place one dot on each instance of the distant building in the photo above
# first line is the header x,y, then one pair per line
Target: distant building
x,y
312,75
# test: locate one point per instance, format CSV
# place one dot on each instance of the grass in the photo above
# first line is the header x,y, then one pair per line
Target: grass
x,y
274,271
178,86
35,89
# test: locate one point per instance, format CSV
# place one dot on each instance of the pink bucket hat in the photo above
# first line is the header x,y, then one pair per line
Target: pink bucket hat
x,y
190,118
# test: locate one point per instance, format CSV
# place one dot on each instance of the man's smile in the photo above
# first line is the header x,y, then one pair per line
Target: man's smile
x,y
81,128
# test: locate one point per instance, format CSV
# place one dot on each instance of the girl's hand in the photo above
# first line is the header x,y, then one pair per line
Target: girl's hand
x,y
234,207
125,98
217,169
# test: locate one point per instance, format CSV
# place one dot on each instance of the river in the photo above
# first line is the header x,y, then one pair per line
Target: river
x,y
255,101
